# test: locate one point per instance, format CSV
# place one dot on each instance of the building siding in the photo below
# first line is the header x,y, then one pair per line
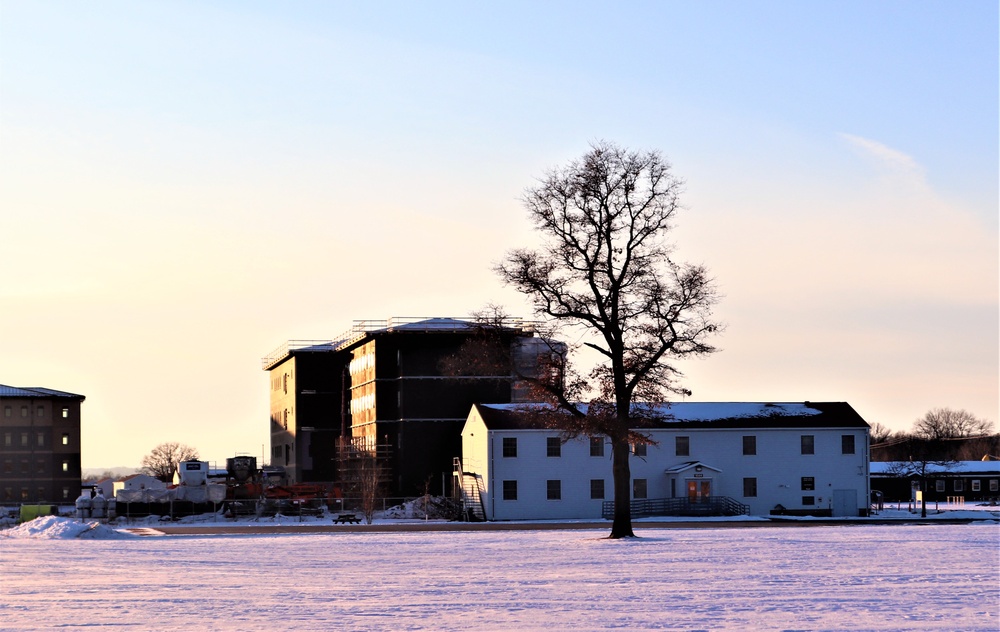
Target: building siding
x,y
778,467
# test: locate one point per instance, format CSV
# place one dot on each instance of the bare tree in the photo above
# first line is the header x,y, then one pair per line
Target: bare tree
x,y
924,459
879,433
371,483
94,478
946,423
536,364
364,472
164,459
605,270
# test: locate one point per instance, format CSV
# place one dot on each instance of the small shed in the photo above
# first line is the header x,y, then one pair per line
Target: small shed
x,y
137,482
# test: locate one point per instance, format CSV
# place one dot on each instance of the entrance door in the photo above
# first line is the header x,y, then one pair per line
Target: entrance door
x,y
845,502
699,490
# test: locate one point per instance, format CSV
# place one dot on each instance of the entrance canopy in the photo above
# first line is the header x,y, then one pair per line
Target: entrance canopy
x,y
691,466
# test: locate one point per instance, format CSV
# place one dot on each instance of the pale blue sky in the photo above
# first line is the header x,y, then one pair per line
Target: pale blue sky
x,y
184,186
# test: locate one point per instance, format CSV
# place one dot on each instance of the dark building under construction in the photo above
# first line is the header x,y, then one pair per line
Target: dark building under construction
x,y
387,387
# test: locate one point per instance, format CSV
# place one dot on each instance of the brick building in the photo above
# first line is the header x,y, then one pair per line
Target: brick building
x,y
39,445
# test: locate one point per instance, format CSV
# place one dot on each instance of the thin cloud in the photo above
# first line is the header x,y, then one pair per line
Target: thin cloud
x,y
892,160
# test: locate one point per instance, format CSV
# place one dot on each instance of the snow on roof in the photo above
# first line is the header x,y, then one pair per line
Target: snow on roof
x,y
722,414
883,468
682,467
710,411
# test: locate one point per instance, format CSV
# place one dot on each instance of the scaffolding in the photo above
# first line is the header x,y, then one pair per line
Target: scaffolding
x,y
365,469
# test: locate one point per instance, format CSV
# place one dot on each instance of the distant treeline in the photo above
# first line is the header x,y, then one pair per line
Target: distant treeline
x,y
909,447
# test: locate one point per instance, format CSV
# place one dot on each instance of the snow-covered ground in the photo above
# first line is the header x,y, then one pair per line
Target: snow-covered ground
x,y
870,577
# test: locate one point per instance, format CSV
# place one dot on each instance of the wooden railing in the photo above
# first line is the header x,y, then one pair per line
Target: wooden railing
x,y
712,506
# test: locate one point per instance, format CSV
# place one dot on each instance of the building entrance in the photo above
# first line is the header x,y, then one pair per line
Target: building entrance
x,y
699,490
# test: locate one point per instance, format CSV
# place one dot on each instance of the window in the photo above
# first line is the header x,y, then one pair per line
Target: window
x,y
510,490
510,447
65,493
808,444
7,412
24,439
808,500
65,438
808,483
65,466
65,413
994,485
749,487
40,411
639,449
597,489
976,486
682,446
40,465
750,445
959,485
553,446
553,490
24,411
639,488
41,439
597,446
8,439
847,444
939,486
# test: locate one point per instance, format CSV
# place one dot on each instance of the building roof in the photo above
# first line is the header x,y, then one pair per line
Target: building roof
x,y
703,415
362,329
905,468
35,391
683,467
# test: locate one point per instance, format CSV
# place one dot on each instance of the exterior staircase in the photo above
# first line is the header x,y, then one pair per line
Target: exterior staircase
x,y
470,485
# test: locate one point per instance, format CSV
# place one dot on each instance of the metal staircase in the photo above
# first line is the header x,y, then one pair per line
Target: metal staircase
x,y
470,484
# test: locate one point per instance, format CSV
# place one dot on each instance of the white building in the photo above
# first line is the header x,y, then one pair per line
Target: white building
x,y
796,458
138,482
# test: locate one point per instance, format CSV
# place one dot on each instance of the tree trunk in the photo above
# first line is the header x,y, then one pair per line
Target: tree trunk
x,y
622,525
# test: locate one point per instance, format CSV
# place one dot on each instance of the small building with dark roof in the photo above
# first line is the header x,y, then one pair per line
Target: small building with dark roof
x,y
806,458
941,481
39,445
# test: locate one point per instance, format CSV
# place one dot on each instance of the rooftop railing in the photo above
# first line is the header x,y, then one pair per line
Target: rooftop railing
x,y
361,328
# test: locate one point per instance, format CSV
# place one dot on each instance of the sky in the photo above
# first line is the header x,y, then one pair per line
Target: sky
x,y
185,186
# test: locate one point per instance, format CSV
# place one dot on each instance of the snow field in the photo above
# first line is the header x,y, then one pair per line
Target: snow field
x,y
930,577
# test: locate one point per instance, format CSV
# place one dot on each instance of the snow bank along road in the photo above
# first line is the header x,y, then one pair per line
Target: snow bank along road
x,y
926,577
